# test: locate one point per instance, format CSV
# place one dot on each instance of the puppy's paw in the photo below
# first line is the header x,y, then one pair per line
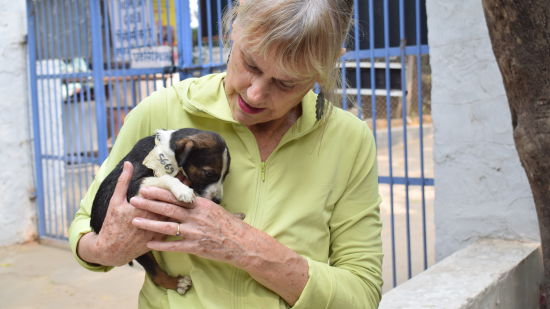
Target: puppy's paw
x,y
184,194
184,284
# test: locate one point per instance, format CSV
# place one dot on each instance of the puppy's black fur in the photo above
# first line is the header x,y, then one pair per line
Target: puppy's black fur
x,y
200,155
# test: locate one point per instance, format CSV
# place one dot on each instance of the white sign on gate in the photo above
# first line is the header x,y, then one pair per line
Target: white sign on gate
x,y
132,26
151,57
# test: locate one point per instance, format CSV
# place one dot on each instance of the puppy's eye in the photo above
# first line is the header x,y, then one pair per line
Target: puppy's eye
x,y
208,173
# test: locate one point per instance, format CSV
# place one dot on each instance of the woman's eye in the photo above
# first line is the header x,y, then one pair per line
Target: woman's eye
x,y
251,67
285,86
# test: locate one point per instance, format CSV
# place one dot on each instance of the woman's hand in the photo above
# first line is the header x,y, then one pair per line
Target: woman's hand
x,y
211,232
118,241
208,230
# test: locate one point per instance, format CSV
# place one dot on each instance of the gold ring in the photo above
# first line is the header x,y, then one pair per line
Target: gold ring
x,y
178,231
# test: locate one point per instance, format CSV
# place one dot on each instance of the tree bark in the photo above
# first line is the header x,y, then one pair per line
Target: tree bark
x,y
520,36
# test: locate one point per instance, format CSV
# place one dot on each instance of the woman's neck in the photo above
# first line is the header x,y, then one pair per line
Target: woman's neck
x,y
269,134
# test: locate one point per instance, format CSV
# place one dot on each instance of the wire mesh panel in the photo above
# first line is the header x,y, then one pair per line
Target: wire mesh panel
x,y
93,61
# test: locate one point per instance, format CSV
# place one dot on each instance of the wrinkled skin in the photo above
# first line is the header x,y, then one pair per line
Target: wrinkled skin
x,y
119,242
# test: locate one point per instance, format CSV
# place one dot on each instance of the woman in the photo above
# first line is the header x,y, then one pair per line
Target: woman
x,y
303,173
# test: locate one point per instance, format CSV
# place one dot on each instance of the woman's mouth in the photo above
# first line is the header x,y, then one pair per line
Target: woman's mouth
x,y
247,108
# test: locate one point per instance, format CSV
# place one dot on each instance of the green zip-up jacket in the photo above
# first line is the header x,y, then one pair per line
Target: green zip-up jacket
x,y
317,193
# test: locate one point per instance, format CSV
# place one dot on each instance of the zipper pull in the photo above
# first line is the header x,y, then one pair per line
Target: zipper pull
x,y
262,172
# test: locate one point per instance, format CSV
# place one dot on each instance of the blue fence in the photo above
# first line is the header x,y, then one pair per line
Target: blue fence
x,y
92,61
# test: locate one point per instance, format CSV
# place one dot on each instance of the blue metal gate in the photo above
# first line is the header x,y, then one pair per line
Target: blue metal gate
x,y
91,61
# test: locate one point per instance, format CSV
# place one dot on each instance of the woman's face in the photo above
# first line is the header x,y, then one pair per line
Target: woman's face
x,y
258,93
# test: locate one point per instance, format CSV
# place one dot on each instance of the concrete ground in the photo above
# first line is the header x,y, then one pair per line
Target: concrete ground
x,y
34,276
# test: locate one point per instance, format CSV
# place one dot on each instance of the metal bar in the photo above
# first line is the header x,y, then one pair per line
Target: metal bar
x,y
357,67
85,176
135,42
107,12
69,159
147,81
382,52
199,34
168,24
133,93
78,113
164,81
54,109
159,23
139,97
122,43
421,127
66,75
344,86
97,55
209,29
65,47
115,105
41,50
403,43
131,72
32,50
63,205
185,36
220,30
372,69
144,42
388,119
411,181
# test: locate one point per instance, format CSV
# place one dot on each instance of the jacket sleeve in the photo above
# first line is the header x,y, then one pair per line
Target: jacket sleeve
x,y
136,126
352,278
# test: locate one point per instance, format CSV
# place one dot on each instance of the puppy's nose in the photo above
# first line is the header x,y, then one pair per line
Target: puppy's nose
x,y
216,200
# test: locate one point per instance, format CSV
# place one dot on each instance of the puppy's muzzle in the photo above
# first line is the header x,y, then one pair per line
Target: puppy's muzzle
x,y
214,192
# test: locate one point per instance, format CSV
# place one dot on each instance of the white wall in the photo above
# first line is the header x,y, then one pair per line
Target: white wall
x,y
17,210
481,188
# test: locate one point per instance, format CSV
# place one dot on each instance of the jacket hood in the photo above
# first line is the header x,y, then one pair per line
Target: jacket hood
x,y
205,97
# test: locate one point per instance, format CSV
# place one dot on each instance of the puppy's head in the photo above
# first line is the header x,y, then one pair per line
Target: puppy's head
x,y
204,158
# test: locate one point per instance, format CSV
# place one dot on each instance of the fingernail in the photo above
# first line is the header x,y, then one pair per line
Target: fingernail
x,y
137,220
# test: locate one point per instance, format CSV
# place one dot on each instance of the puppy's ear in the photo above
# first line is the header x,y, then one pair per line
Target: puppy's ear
x,y
183,148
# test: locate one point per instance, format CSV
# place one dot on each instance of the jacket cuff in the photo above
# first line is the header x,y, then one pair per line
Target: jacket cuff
x,y
318,290
77,230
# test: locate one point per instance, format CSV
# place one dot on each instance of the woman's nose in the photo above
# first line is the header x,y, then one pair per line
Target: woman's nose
x,y
258,90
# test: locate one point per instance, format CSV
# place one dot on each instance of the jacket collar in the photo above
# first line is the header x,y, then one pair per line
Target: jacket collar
x,y
205,97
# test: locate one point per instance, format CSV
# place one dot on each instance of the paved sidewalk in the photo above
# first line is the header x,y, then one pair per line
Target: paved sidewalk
x,y
34,276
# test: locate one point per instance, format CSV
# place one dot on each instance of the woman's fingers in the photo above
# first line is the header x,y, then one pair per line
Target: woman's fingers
x,y
182,246
121,188
159,194
187,244
163,227
162,208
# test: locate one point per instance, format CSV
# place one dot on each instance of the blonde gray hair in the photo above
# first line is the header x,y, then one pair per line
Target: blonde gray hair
x,y
307,34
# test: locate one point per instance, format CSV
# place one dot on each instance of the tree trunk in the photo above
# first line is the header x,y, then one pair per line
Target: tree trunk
x,y
520,36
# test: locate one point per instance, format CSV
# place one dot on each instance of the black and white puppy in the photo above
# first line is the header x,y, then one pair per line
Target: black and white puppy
x,y
166,160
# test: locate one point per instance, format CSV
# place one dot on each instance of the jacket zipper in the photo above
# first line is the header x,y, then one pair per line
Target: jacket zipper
x,y
262,171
